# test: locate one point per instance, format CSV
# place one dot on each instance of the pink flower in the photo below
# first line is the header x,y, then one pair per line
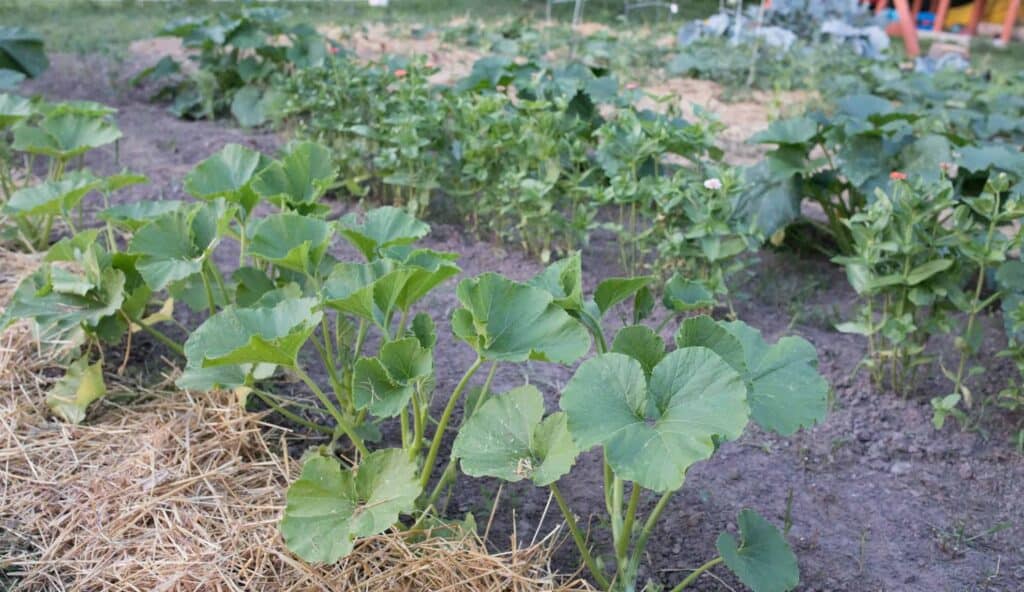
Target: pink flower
x,y
632,86
898,176
713,184
400,73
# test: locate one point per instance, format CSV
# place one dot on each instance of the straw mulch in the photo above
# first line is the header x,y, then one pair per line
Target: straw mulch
x,y
180,491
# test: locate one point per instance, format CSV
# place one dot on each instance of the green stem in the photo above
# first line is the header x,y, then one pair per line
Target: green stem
x,y
442,424
577,536
622,545
209,292
343,423
696,574
278,408
418,425
159,336
649,524
449,470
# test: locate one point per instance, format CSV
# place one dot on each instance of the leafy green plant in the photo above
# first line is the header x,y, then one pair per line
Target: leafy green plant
x,y
919,258
239,56
654,414
21,56
702,233
905,276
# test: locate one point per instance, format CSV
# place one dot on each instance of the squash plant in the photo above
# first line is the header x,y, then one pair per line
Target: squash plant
x,y
239,57
653,414
56,136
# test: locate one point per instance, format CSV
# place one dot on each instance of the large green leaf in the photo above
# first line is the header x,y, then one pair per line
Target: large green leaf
x,y
370,291
65,135
22,50
174,246
564,280
786,391
426,270
329,508
72,394
228,174
133,216
13,109
299,179
653,431
290,241
683,295
641,343
385,383
53,197
248,107
270,335
614,290
509,438
512,322
381,228
763,560
797,130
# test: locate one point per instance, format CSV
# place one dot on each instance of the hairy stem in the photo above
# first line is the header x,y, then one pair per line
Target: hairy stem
x,y
579,539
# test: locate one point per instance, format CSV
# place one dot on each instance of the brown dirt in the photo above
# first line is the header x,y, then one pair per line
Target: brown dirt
x,y
880,500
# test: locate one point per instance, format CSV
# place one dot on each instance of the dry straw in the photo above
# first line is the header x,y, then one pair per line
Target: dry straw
x,y
178,491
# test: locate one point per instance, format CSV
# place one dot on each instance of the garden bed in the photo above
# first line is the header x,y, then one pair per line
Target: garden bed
x,y
878,498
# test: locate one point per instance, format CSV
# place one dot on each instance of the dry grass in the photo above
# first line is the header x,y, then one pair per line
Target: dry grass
x,y
183,492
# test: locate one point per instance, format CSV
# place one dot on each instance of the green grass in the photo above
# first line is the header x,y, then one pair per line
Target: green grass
x,y
108,26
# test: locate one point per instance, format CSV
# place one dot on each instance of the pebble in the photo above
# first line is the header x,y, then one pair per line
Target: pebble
x,y
966,471
900,467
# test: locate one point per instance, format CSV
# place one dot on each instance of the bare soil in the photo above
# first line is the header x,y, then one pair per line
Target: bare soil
x,y
881,501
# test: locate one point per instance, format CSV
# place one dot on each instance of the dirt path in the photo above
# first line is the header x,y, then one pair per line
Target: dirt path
x,y
880,500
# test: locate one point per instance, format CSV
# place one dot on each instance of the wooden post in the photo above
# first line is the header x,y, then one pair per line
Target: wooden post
x,y
908,28
1011,21
977,10
940,15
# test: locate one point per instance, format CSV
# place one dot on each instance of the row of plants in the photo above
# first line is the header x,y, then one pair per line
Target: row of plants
x,y
530,152
283,305
918,181
535,155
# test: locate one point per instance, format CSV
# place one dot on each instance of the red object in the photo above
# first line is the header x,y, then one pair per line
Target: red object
x,y
399,73
898,176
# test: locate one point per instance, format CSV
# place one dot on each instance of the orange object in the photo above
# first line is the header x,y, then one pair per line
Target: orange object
x,y
908,27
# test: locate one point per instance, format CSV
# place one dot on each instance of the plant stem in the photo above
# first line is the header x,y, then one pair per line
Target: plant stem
x,y
964,354
339,417
159,336
442,424
696,574
577,536
649,524
209,292
272,402
622,545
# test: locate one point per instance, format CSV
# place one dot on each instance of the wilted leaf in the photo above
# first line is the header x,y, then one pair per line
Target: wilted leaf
x,y
83,384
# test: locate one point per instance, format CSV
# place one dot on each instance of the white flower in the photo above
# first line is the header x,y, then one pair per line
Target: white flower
x,y
713,184
378,3
673,8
